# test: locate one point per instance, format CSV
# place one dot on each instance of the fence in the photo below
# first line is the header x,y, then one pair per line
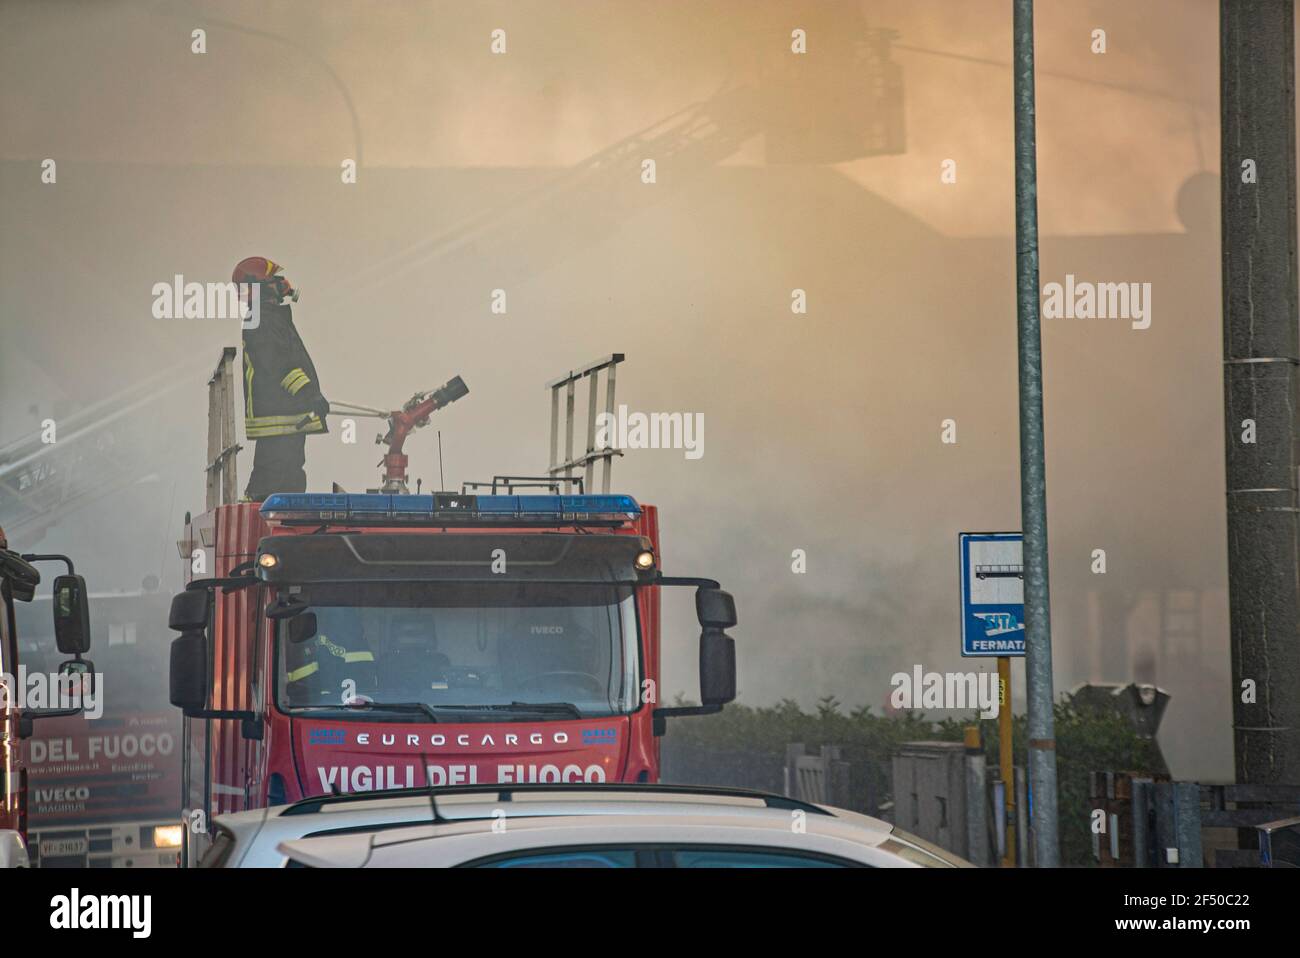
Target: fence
x,y
927,788
827,777
1151,823
684,763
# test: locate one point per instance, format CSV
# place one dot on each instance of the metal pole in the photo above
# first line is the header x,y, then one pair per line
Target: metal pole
x,y
1141,792
568,429
1001,822
555,429
609,417
1005,760
1033,480
977,831
1188,829
1022,819
1178,825
593,380
1261,353
229,479
213,489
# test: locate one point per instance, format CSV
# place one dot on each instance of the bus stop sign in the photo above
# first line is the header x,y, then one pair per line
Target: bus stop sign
x,y
992,593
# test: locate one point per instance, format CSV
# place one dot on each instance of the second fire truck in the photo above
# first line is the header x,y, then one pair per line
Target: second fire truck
x,y
19,581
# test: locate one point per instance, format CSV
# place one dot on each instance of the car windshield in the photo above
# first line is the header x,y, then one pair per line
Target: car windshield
x,y
449,650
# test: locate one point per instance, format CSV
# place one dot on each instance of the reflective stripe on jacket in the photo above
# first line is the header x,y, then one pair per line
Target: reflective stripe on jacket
x,y
280,386
321,645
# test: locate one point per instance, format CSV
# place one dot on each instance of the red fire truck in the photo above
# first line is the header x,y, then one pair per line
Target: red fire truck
x,y
362,642
335,642
18,583
104,790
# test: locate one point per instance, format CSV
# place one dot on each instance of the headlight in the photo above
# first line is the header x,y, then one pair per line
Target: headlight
x,y
167,836
645,561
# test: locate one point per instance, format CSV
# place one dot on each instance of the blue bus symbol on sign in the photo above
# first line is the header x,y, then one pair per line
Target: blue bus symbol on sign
x,y
992,593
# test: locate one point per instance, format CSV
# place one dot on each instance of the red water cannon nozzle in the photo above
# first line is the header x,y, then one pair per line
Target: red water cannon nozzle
x,y
413,415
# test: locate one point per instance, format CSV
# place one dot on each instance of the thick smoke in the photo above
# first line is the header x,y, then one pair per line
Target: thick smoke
x,y
522,172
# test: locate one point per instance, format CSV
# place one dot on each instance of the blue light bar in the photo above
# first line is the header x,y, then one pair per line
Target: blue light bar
x,y
447,508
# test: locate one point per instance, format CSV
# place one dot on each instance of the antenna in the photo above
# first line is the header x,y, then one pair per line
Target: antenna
x,y
442,482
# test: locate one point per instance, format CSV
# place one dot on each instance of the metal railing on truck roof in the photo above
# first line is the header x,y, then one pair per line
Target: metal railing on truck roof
x,y
587,460
500,793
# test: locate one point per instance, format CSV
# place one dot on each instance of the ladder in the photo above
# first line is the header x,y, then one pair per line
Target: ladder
x,y
222,446
591,372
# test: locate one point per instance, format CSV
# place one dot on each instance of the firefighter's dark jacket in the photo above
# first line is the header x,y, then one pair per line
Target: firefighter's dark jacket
x,y
280,385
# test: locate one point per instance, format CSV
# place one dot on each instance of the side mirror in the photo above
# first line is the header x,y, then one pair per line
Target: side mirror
x,y
715,608
189,611
22,575
73,693
286,607
71,615
76,684
188,679
717,667
188,685
81,668
302,627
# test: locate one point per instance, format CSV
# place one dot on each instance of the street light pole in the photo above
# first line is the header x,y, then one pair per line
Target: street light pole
x,y
1261,375
1033,480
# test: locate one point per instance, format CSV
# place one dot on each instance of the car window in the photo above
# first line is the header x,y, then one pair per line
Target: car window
x,y
563,858
751,858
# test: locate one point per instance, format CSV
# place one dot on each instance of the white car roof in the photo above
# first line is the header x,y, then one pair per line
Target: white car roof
x,y
258,832
261,836
858,839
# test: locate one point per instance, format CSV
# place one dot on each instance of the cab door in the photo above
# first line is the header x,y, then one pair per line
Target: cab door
x,y
13,806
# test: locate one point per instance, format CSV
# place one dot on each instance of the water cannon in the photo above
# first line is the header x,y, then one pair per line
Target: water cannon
x,y
414,414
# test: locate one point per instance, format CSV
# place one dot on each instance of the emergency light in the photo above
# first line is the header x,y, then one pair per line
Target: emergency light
x,y
446,508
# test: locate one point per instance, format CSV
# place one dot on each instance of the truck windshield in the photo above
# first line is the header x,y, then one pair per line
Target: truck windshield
x,y
568,649
128,646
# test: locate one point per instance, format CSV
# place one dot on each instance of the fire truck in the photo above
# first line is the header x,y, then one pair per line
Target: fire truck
x,y
19,580
104,790
358,642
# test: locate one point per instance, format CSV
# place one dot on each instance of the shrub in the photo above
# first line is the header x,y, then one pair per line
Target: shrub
x,y
744,745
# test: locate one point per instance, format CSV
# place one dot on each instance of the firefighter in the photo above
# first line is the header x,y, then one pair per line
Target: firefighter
x,y
334,666
282,397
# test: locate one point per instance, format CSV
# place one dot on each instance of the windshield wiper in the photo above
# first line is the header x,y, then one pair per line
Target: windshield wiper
x,y
564,708
424,707
567,708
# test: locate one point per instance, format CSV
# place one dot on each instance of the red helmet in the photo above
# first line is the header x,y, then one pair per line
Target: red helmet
x,y
259,269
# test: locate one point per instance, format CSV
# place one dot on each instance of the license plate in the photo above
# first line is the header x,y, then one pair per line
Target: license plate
x,y
64,847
